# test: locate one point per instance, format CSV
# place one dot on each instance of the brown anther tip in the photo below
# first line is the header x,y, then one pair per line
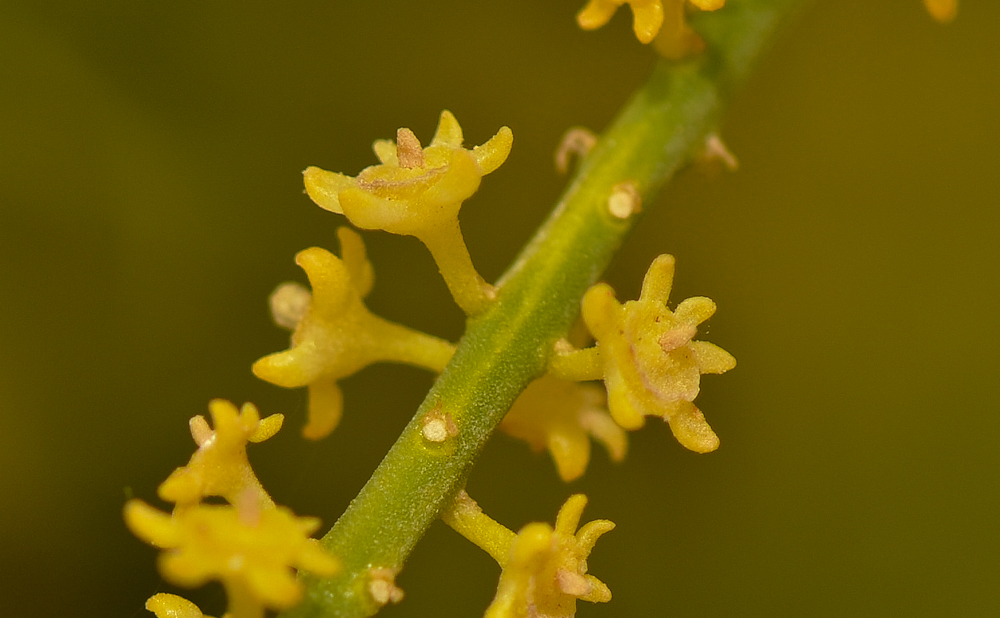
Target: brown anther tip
x,y
408,149
200,430
572,583
716,151
248,508
677,337
576,141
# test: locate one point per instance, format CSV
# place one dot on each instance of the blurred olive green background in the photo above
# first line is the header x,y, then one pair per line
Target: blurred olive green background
x,y
150,199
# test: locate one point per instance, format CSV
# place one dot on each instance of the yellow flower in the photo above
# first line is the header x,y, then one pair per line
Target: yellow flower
x,y
651,364
418,191
942,10
337,335
650,19
220,466
561,416
546,568
252,550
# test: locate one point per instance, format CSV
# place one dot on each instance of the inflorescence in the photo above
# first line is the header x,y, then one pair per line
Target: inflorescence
x,y
224,526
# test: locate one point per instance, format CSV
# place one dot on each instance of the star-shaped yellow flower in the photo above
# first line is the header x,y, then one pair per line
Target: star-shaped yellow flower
x,y
252,550
418,191
338,336
652,366
220,466
562,416
546,568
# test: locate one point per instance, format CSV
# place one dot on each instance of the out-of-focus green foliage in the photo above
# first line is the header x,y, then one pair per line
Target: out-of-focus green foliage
x,y
150,199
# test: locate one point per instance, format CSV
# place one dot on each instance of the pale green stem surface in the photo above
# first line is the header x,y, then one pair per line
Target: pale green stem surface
x,y
662,128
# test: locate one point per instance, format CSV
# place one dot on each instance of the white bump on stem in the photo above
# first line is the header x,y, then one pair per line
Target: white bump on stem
x,y
438,426
382,586
625,200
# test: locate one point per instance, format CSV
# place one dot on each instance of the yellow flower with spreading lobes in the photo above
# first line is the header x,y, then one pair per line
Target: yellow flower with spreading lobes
x,y
251,550
220,466
337,336
652,366
413,189
561,416
417,191
546,567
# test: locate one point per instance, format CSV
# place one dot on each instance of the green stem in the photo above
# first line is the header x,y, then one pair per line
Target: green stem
x,y
662,128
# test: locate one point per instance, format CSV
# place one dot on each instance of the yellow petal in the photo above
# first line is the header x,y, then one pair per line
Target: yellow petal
x,y
695,310
606,431
324,187
596,14
385,150
328,277
326,404
267,428
711,358
601,311
647,20
172,606
659,279
445,197
352,253
292,368
620,403
449,132
569,515
591,531
151,525
368,211
494,152
571,452
692,431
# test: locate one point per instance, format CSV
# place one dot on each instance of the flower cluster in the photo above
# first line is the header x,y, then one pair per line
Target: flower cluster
x,y
250,544
645,353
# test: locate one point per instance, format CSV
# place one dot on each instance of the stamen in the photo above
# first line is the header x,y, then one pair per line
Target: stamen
x,y
408,149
